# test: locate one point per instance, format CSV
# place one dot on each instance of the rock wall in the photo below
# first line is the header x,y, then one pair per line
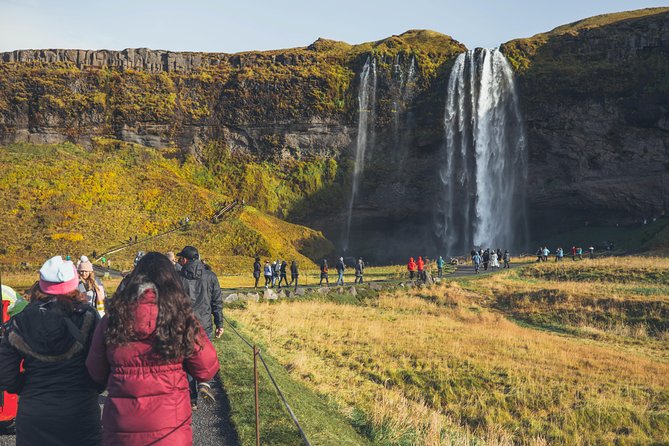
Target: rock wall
x,y
595,98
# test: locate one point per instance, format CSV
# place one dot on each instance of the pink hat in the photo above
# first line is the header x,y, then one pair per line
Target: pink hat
x,y
86,266
58,276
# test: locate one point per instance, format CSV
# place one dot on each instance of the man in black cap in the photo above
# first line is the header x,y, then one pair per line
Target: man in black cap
x,y
201,284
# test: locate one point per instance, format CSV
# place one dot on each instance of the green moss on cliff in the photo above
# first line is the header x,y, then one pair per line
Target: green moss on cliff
x,y
74,200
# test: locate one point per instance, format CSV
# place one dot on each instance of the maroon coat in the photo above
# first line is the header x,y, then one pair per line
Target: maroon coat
x,y
149,401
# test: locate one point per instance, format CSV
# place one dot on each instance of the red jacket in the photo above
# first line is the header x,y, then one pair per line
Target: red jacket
x,y
412,265
421,264
149,400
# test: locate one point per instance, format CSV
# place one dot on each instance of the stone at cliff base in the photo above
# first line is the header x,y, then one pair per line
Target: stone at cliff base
x,y
323,290
352,291
428,279
270,295
231,298
282,294
300,292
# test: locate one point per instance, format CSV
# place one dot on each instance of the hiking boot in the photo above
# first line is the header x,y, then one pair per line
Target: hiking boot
x,y
206,393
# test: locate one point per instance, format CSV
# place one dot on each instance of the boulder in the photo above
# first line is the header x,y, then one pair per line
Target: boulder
x,y
253,296
282,294
375,286
352,291
300,292
323,290
270,295
428,279
231,298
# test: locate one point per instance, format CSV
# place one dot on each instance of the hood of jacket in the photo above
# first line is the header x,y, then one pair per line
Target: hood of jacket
x,y
43,327
192,270
146,315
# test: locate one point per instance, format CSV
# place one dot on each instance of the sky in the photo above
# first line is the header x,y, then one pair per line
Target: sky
x,y
244,25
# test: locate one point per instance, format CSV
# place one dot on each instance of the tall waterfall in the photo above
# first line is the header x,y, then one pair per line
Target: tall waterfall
x,y
485,169
404,82
366,107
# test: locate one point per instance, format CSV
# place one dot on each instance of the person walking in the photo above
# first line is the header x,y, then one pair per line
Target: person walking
x,y
493,260
486,259
324,272
142,351
591,252
545,253
42,358
91,286
412,268
282,273
277,272
268,273
359,271
476,260
507,258
275,276
573,253
173,258
294,274
256,271
420,268
204,290
440,267
579,253
340,271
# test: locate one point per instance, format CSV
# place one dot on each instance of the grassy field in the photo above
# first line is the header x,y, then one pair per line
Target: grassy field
x,y
550,354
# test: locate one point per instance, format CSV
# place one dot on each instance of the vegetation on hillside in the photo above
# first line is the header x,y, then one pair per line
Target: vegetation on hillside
x,y
518,358
75,201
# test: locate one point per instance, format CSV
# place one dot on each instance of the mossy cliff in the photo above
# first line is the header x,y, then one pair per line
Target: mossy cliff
x,y
595,97
279,127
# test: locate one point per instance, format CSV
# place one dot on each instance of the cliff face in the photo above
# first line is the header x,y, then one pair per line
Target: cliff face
x,y
594,94
595,97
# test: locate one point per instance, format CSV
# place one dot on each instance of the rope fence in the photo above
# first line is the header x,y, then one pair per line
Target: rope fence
x,y
257,354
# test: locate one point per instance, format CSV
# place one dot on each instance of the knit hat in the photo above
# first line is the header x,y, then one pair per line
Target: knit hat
x,y
58,276
86,266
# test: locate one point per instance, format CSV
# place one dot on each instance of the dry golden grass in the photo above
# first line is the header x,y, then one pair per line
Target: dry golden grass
x,y
433,367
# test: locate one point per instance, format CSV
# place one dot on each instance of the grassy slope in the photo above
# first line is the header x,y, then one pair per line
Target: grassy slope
x,y
467,372
74,201
322,424
520,51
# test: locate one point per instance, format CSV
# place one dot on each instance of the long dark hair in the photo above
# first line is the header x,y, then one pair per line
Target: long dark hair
x,y
66,301
177,329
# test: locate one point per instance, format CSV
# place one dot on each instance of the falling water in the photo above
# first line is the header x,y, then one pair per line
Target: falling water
x,y
402,94
366,107
486,157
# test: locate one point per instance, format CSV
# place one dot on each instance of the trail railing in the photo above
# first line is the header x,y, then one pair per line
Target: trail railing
x,y
258,355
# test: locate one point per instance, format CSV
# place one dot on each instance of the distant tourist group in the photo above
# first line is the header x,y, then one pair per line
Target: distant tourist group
x,y
275,273
576,253
490,258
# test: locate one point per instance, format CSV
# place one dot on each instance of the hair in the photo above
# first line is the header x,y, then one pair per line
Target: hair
x,y
177,329
66,301
90,283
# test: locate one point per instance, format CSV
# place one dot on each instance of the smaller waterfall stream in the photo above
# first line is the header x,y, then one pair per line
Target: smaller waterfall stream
x,y
366,107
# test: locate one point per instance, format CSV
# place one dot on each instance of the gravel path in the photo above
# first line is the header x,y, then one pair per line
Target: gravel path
x,y
211,423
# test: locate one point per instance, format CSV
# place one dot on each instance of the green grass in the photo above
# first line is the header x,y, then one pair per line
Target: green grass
x,y
319,419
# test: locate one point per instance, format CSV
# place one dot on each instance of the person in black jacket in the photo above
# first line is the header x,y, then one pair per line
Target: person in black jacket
x,y
294,274
58,401
282,273
202,285
256,271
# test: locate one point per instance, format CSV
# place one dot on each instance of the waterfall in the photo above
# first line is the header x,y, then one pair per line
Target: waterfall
x,y
366,107
485,166
402,95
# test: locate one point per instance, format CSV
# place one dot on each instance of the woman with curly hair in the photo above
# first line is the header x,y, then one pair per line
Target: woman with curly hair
x,y
142,349
58,401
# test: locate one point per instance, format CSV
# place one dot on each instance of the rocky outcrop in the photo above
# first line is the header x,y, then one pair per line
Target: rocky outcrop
x,y
595,99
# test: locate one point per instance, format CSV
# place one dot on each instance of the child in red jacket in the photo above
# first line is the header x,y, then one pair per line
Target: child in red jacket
x,y
142,350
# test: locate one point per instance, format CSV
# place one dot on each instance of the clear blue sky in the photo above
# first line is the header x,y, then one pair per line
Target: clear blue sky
x,y
241,25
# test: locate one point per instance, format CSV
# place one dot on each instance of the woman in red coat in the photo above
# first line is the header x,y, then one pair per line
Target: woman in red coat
x,y
411,266
142,350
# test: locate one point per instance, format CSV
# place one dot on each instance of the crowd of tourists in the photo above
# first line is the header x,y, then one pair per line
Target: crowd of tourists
x,y
276,273
575,252
151,351
490,258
